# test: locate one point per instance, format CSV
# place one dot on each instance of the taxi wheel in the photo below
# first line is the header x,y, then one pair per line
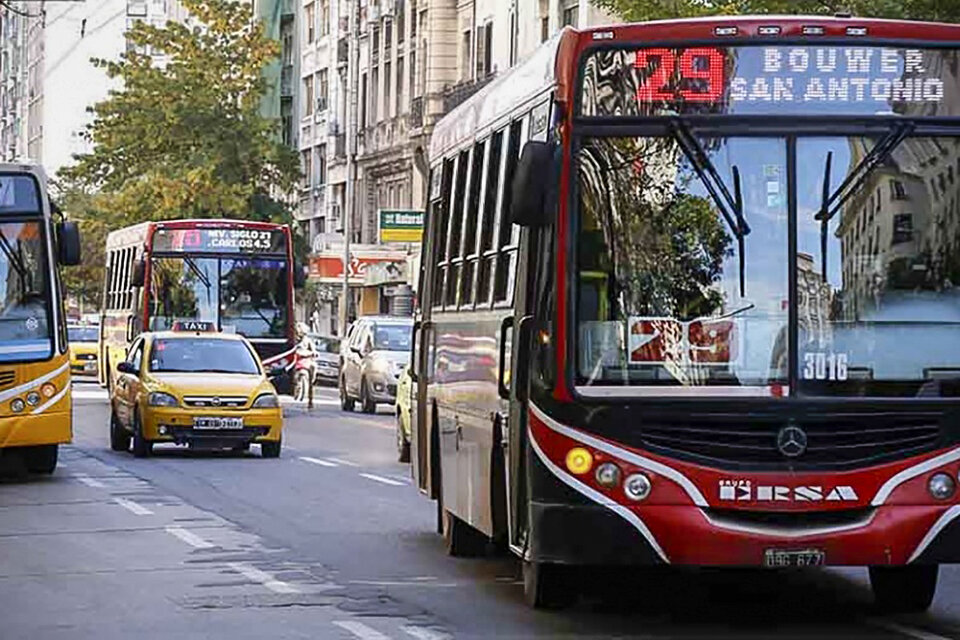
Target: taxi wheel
x,y
907,589
42,459
119,438
141,446
366,404
346,402
270,449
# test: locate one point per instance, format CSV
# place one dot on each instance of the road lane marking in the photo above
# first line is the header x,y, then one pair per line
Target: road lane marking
x,y
90,482
424,633
264,578
346,463
322,463
133,507
911,632
376,478
360,630
189,537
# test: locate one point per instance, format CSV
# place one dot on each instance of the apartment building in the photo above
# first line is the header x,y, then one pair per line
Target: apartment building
x,y
47,81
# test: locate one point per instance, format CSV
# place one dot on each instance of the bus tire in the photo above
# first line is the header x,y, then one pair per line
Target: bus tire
x,y
270,448
906,589
42,459
119,437
462,540
141,446
367,405
547,586
346,402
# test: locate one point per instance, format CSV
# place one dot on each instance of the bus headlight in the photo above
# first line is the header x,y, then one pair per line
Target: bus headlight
x,y
637,487
607,475
17,405
941,486
160,399
266,401
33,398
48,390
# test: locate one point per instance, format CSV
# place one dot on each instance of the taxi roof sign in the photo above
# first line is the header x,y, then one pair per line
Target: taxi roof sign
x,y
194,325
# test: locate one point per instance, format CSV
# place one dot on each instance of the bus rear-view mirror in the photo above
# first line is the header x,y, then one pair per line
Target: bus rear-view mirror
x,y
535,185
69,243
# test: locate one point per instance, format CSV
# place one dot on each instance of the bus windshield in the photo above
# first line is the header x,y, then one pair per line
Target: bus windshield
x,y
25,326
245,295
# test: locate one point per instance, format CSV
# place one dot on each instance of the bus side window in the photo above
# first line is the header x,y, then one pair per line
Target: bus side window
x,y
441,213
487,251
469,250
507,252
456,229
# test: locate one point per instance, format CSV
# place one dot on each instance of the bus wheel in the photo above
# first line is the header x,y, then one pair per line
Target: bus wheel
x,y
547,586
367,405
42,459
141,446
462,540
908,589
270,449
119,438
346,403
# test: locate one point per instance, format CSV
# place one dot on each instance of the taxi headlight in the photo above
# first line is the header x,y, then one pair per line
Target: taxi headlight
x,y
266,401
160,399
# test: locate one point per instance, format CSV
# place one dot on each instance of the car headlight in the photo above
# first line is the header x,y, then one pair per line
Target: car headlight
x,y
160,399
266,401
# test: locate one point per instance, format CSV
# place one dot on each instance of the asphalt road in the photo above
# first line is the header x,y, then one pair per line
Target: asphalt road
x,y
332,541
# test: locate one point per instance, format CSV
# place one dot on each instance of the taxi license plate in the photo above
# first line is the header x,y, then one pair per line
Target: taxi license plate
x,y
217,423
800,558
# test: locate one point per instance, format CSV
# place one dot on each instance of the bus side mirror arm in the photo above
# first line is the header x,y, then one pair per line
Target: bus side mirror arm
x,y
413,350
535,185
502,388
68,236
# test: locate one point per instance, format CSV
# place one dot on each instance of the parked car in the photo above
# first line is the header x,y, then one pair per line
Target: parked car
x,y
377,349
406,387
327,356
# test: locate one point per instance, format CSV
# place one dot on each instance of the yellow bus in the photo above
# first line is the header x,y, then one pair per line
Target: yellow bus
x,y
34,360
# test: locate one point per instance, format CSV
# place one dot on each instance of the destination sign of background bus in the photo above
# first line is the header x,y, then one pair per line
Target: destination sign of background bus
x,y
777,80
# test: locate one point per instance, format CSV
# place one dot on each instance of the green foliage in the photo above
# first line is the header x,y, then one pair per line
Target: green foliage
x,y
183,136
639,10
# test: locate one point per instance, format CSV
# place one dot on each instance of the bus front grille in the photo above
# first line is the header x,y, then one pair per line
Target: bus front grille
x,y
7,378
838,441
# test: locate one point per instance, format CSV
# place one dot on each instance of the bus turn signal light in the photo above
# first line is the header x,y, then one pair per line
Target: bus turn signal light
x,y
48,390
579,461
607,475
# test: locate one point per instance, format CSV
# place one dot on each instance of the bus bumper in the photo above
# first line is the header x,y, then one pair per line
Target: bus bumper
x,y
50,427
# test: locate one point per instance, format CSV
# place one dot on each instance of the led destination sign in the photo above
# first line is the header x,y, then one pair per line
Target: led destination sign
x,y
220,240
772,79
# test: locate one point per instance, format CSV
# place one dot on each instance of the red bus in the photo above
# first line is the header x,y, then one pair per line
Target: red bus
x,y
236,273
691,295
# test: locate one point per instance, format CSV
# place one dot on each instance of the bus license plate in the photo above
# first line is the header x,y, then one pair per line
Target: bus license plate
x,y
217,423
802,558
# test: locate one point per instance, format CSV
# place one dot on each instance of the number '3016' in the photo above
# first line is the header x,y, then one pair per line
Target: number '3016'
x,y
819,365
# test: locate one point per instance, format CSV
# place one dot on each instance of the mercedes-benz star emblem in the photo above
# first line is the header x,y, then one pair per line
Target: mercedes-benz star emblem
x,y
792,441
216,402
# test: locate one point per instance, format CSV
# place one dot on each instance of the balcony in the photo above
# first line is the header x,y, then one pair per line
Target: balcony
x,y
454,95
415,117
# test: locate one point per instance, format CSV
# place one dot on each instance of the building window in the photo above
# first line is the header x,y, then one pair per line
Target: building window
x,y
308,96
374,95
412,86
465,56
137,8
544,28
324,16
363,101
387,102
902,228
570,15
401,22
513,38
897,190
321,165
306,160
375,45
309,22
387,36
484,47
323,89
413,19
400,103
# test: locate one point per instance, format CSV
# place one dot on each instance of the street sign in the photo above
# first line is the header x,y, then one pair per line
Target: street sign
x,y
397,225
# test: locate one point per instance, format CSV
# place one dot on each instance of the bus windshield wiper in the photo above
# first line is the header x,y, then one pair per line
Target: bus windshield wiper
x,y
730,205
832,203
196,270
14,260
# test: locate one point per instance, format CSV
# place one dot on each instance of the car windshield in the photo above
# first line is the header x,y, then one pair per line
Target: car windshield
x,y
25,327
246,295
82,334
671,283
201,355
391,337
326,345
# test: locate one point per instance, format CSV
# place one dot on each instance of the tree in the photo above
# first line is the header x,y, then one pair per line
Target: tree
x,y
639,10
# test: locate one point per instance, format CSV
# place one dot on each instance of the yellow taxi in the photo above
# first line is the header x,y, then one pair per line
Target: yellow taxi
x,y
193,386
83,349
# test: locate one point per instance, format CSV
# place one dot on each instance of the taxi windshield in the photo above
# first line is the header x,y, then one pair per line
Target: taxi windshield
x,y
83,334
202,355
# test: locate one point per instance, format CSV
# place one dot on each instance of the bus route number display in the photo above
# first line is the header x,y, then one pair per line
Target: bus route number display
x,y
801,79
220,240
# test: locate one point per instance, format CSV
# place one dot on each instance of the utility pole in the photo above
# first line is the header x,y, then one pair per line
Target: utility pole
x,y
353,71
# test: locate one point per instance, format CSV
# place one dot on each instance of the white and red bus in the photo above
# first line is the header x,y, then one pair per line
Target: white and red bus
x,y
690,295
239,274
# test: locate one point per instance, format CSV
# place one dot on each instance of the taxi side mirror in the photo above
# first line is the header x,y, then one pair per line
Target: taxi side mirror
x,y
126,367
